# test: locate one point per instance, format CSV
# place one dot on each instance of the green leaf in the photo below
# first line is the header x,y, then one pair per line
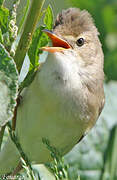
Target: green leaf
x,y
4,13
48,19
8,86
39,39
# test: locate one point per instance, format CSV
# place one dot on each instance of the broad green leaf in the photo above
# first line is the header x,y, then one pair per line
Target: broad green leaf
x,y
4,13
48,19
8,86
39,40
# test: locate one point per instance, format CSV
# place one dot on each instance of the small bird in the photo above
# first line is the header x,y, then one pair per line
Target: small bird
x,y
66,96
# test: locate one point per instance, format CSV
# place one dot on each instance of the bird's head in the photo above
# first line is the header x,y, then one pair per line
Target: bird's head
x,y
75,32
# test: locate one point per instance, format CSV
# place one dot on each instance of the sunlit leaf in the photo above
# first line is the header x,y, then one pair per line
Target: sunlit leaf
x,y
39,39
48,19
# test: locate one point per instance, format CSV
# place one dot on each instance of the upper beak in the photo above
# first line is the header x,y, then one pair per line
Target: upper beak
x,y
58,43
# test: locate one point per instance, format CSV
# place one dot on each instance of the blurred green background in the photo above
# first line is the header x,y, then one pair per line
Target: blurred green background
x,y
95,158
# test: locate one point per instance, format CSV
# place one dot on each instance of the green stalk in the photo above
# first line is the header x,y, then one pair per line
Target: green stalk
x,y
29,28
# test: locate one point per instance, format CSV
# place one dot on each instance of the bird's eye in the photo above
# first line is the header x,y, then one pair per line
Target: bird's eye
x,y
80,42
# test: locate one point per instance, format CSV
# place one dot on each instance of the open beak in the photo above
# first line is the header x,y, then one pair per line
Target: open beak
x,y
58,43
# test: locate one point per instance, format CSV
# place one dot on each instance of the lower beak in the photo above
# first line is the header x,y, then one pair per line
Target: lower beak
x,y
58,43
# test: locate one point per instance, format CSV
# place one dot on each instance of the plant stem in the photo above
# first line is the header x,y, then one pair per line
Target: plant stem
x,y
29,28
2,134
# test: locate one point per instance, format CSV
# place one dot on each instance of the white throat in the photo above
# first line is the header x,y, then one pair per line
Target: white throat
x,y
61,70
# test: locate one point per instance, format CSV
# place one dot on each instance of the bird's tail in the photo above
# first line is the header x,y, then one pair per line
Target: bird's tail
x,y
9,157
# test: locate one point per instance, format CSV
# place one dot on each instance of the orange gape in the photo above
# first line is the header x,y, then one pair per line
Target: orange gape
x,y
58,43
